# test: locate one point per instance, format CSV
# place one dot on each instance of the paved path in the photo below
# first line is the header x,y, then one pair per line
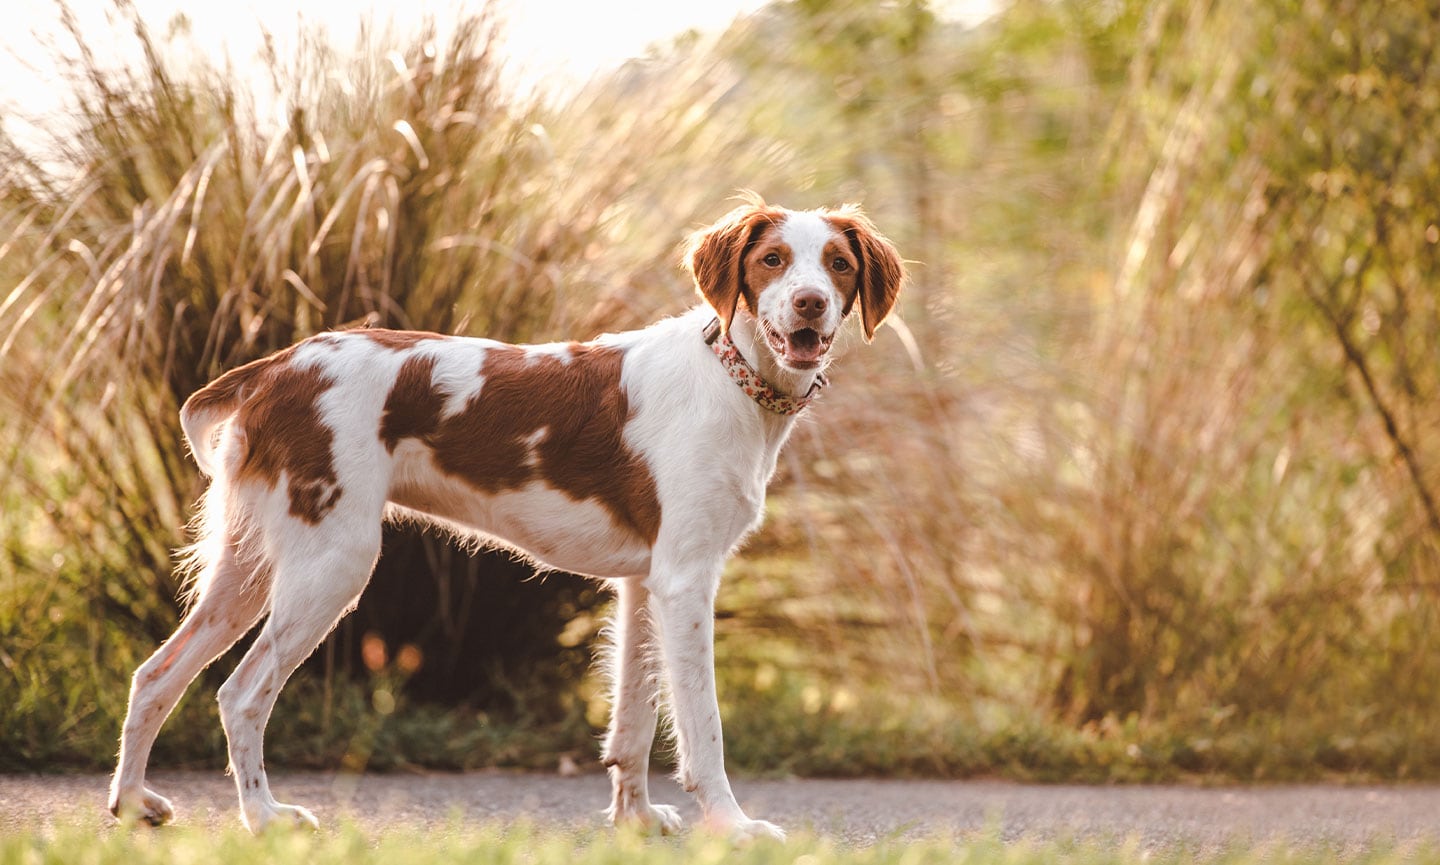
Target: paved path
x,y
856,811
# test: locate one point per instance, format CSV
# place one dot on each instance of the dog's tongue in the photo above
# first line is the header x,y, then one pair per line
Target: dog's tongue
x,y
804,345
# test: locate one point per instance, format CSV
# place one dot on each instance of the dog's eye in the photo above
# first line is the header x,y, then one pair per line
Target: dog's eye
x,y
771,260
840,265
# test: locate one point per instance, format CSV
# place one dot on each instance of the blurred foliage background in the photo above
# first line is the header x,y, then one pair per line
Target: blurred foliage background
x,y
1141,483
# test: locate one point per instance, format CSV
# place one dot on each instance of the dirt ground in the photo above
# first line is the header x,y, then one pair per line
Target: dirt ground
x,y
858,811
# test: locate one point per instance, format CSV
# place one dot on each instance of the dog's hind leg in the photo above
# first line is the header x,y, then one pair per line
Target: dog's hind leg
x,y
319,573
232,596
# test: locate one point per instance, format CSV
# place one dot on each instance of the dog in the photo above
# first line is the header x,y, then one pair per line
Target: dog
x,y
639,458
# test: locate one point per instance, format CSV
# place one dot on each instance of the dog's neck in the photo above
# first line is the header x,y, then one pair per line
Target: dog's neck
x,y
745,333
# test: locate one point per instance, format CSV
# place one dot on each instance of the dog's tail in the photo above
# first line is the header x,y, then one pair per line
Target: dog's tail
x,y
215,403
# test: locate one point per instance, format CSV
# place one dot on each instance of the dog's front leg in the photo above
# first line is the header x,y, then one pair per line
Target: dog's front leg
x,y
682,611
632,719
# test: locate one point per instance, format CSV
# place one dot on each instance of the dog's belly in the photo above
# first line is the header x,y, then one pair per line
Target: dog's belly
x,y
579,536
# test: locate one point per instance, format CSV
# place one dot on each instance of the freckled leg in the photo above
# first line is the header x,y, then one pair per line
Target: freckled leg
x,y
233,599
633,708
682,608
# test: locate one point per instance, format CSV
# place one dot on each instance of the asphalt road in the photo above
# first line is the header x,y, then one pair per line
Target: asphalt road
x,y
858,811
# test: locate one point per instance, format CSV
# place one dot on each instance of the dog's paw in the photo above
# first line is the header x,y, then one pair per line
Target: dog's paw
x,y
272,815
746,830
142,806
664,819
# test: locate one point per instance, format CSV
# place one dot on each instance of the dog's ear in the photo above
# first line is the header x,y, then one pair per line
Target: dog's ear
x,y
715,257
880,273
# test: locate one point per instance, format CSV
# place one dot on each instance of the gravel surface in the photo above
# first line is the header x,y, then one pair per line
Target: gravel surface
x,y
858,811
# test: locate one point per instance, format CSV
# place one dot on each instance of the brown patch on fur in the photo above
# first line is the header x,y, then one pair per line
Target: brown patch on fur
x,y
718,257
280,419
395,340
491,445
757,274
413,408
275,408
224,394
846,281
879,272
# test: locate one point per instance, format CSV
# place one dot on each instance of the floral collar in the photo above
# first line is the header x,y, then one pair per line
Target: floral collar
x,y
755,386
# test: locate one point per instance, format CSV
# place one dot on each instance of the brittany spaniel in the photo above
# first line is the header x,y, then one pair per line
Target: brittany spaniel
x,y
640,458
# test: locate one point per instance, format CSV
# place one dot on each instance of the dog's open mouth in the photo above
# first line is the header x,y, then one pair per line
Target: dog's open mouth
x,y
800,349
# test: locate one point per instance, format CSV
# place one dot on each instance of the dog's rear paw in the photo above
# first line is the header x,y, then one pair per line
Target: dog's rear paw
x,y
142,806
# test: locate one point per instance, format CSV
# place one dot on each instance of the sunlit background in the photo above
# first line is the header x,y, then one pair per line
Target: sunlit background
x,y
554,44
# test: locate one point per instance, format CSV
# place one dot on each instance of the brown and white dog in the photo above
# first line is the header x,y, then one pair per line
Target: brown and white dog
x,y
634,458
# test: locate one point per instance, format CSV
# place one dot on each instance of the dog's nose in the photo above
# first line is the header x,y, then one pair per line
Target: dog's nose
x,y
809,302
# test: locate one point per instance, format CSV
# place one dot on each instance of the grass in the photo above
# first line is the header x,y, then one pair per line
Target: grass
x,y
530,845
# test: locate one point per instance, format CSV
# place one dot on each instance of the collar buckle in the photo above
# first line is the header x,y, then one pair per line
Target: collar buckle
x,y
712,330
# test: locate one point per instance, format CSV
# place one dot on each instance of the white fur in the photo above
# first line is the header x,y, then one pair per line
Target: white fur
x,y
710,450
806,234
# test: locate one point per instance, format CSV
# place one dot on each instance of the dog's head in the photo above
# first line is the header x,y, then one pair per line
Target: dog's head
x,y
798,272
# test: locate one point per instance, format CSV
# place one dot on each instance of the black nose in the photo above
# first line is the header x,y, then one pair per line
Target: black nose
x,y
809,302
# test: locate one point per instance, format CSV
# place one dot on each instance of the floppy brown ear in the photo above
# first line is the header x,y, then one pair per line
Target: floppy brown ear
x,y
715,257
880,271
